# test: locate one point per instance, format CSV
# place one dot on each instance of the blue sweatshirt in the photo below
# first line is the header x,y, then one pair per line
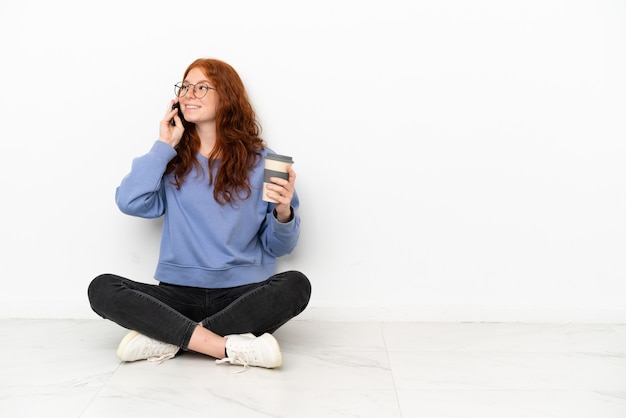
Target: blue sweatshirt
x,y
205,244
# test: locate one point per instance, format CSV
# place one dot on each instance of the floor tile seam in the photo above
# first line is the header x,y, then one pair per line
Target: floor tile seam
x,y
101,388
393,377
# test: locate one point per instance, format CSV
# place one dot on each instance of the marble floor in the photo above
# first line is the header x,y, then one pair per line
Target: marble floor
x,y
67,368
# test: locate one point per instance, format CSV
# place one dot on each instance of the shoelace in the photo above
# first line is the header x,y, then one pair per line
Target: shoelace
x,y
237,358
160,359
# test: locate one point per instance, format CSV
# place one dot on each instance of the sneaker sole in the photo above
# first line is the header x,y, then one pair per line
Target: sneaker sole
x,y
124,343
272,341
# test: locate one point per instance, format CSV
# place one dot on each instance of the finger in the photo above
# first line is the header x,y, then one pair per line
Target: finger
x,y
292,175
280,198
279,181
285,182
170,111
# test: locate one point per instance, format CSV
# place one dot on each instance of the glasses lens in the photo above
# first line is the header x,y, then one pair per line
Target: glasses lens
x,y
200,91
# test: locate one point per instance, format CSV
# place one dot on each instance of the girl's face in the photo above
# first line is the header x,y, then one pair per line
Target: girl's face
x,y
199,103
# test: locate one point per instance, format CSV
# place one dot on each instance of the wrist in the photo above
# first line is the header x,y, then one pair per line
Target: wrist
x,y
282,218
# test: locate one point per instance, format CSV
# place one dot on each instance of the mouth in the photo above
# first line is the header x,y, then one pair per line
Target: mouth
x,y
191,107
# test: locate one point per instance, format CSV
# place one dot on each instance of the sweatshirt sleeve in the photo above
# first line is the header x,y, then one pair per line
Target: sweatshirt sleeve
x,y
281,238
141,192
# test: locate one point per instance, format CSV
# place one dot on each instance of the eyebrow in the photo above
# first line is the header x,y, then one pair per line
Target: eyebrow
x,y
199,82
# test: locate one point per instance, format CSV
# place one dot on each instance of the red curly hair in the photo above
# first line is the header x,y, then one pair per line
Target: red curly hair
x,y
238,141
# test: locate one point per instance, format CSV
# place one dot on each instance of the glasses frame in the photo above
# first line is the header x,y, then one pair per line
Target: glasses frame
x,y
178,87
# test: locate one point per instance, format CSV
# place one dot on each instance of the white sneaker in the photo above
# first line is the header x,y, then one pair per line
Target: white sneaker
x,y
136,346
248,350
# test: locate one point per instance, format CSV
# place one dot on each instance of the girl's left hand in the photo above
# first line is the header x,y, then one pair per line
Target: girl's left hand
x,y
281,190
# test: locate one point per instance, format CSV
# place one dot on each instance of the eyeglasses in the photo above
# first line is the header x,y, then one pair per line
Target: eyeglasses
x,y
199,90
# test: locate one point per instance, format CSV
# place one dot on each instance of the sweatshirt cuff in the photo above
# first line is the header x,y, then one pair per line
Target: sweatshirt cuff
x,y
163,151
291,216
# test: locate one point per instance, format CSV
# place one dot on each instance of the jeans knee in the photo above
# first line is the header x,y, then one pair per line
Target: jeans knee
x,y
300,287
98,291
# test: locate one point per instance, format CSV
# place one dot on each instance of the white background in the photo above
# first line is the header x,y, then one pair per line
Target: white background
x,y
456,160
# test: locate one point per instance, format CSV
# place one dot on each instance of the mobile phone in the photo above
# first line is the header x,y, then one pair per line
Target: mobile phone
x,y
180,114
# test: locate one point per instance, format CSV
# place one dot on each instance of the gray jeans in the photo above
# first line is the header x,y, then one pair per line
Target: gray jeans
x,y
170,313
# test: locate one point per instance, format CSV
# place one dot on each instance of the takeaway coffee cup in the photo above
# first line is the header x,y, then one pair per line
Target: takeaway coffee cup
x,y
275,166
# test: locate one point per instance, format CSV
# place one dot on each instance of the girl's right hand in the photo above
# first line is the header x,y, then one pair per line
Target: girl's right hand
x,y
171,134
